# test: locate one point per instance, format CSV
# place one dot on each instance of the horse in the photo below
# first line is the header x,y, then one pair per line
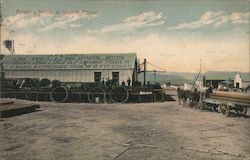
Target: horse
x,y
185,95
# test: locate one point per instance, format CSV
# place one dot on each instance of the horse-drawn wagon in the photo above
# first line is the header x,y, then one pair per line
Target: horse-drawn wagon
x,y
225,102
220,101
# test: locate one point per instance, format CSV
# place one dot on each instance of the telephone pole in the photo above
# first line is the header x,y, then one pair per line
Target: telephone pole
x,y
145,70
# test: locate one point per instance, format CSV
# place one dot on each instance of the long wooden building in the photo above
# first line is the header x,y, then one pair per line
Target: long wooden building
x,y
72,67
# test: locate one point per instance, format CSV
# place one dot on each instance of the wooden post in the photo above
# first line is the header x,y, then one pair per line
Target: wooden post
x,y
145,68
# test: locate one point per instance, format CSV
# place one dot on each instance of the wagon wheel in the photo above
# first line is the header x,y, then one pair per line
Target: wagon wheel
x,y
242,110
200,106
59,94
119,94
224,109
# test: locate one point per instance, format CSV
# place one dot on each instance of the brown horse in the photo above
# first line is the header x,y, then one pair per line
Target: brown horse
x,y
185,95
182,96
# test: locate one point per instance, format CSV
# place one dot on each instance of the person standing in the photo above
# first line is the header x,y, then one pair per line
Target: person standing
x,y
103,82
129,81
108,82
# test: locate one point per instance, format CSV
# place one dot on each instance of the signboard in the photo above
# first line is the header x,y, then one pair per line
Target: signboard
x,y
79,61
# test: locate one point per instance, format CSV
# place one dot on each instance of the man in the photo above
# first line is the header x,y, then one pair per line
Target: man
x,y
179,95
108,82
129,81
103,82
123,83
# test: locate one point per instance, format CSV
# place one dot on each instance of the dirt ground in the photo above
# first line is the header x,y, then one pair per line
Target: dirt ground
x,y
143,131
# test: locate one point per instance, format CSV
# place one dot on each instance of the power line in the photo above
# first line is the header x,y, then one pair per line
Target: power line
x,y
157,66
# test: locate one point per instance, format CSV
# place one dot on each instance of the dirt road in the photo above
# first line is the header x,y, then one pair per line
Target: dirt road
x,y
151,131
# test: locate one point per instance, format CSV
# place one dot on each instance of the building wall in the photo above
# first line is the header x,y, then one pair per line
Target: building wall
x,y
238,79
67,75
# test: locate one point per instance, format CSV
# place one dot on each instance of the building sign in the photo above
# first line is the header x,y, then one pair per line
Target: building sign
x,y
79,61
145,93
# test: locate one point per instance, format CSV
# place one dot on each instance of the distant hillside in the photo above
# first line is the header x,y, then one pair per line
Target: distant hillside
x,y
178,78
226,75
173,78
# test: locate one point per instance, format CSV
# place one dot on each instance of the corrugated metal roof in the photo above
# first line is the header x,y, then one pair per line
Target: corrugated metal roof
x,y
69,61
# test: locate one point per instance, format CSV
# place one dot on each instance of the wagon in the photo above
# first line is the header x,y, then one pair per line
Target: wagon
x,y
225,102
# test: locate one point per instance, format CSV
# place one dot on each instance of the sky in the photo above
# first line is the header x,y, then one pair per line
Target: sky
x,y
177,35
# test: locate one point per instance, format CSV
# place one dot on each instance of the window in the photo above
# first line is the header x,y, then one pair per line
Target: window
x,y
115,77
97,76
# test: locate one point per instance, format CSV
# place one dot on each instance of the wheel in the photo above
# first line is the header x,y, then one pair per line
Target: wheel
x,y
242,110
224,109
59,94
119,94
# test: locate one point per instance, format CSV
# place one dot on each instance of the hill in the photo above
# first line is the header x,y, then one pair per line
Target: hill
x,y
178,78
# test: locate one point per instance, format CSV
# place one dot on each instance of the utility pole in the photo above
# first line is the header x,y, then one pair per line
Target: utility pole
x,y
154,76
145,68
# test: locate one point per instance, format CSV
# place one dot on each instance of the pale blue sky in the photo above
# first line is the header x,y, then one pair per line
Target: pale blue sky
x,y
172,34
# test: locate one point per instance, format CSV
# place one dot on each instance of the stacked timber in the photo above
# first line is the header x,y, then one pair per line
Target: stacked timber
x,y
232,96
10,108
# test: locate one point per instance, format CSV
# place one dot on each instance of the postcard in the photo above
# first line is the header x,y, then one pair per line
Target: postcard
x,y
124,79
